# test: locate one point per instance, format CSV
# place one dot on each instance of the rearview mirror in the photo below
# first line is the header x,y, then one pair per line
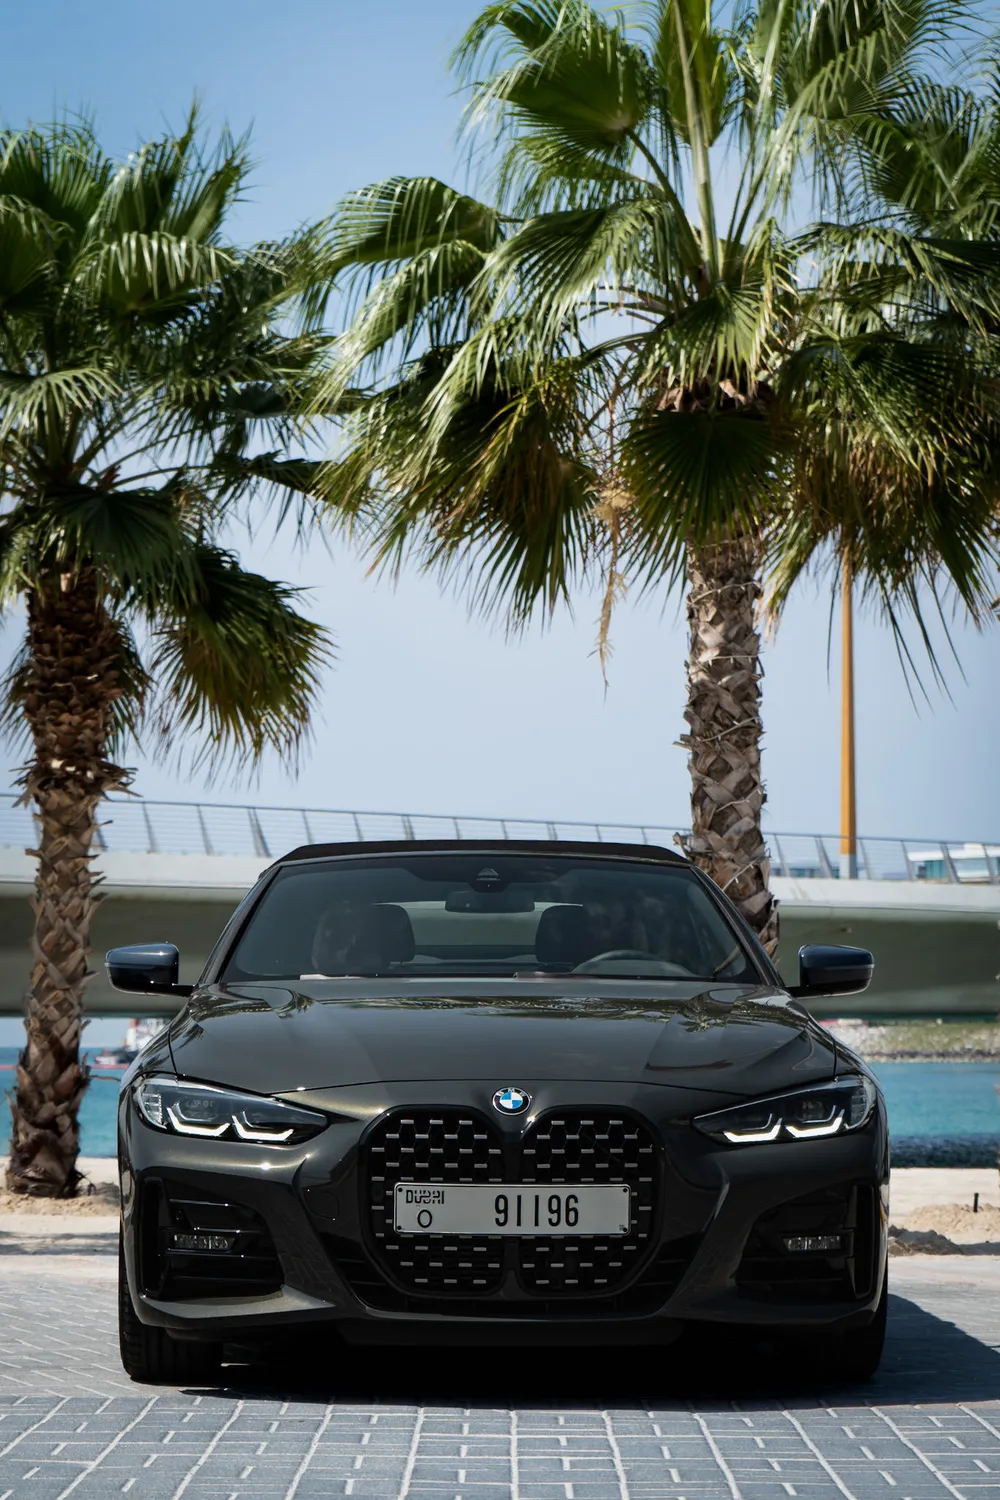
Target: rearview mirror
x,y
827,970
512,899
146,969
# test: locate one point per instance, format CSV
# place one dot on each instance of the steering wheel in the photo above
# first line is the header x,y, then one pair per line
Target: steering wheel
x,y
589,965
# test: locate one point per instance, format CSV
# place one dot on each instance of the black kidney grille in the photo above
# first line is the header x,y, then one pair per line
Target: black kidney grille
x,y
433,1146
456,1146
589,1148
644,1295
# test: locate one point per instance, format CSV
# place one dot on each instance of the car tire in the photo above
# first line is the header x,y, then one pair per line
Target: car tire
x,y
151,1356
854,1356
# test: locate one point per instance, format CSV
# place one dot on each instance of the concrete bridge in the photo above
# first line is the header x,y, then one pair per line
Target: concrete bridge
x,y
929,909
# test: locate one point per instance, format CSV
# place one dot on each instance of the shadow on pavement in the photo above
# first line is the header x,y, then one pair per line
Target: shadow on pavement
x,y
927,1360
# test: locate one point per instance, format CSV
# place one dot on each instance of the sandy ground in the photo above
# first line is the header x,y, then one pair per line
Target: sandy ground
x,y
98,1195
77,1228
958,1221
104,1169
914,1187
104,1200
933,1211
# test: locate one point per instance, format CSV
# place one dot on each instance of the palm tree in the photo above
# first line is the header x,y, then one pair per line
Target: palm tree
x,y
585,370
146,389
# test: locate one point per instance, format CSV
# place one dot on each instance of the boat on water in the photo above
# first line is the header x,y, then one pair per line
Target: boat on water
x,y
138,1035
113,1057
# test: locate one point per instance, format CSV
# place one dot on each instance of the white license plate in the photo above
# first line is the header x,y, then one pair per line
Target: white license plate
x,y
515,1208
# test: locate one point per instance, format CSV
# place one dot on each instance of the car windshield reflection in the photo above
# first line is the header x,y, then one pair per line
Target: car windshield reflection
x,y
509,915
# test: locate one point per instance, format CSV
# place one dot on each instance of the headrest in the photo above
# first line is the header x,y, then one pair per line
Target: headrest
x,y
564,936
353,938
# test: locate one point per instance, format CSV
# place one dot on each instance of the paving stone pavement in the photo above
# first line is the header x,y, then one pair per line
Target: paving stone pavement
x,y
509,1425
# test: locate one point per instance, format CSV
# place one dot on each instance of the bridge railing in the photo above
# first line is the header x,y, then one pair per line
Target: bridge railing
x,y
134,825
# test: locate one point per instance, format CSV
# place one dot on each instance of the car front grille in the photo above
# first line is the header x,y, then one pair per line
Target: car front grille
x,y
578,1147
646,1294
433,1146
588,1148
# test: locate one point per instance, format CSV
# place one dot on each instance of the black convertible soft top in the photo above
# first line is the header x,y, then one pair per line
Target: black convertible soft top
x,y
651,852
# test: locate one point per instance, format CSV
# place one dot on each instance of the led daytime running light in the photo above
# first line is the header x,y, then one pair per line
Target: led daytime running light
x,y
737,1137
804,1132
202,1110
246,1131
187,1127
827,1109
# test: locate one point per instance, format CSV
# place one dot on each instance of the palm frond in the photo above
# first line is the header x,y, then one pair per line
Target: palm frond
x,y
885,274
566,262
134,538
693,67
896,468
934,156
541,171
237,667
404,216
59,394
697,476
27,239
485,475
572,72
429,292
150,273
59,171
168,188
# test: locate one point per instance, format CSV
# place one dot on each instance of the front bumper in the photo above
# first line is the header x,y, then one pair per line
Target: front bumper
x,y
714,1251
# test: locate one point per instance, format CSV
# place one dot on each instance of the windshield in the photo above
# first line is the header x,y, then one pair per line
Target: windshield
x,y
500,914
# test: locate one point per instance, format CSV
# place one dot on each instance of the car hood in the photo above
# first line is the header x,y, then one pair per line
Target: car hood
x,y
280,1038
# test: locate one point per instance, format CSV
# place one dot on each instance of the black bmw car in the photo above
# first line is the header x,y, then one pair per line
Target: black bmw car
x,y
468,1092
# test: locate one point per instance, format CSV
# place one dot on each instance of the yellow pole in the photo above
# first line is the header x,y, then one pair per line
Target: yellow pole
x,y
848,783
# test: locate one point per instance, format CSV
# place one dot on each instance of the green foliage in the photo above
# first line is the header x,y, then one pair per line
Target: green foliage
x,y
227,637
572,73
621,339
152,378
698,474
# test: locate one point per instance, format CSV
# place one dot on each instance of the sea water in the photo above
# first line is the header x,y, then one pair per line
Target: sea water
x,y
940,1113
98,1113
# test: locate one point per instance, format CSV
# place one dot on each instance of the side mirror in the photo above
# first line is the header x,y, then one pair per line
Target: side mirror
x,y
833,971
146,969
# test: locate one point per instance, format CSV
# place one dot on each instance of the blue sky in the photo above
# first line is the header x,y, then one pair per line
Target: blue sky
x,y
426,710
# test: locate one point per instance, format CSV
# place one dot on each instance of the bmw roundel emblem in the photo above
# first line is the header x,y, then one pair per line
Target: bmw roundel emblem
x,y
511,1101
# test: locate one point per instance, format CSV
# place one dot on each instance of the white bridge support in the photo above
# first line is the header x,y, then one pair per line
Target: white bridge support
x,y
936,944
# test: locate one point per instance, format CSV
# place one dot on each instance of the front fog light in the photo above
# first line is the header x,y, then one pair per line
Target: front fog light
x,y
202,1242
800,1244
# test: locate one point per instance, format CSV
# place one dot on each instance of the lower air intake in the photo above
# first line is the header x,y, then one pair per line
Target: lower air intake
x,y
817,1248
193,1248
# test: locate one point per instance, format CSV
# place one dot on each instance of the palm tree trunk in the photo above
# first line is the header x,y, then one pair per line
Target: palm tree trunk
x,y
67,690
725,731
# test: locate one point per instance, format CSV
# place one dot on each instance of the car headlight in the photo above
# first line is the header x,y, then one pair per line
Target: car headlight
x,y
221,1114
803,1115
